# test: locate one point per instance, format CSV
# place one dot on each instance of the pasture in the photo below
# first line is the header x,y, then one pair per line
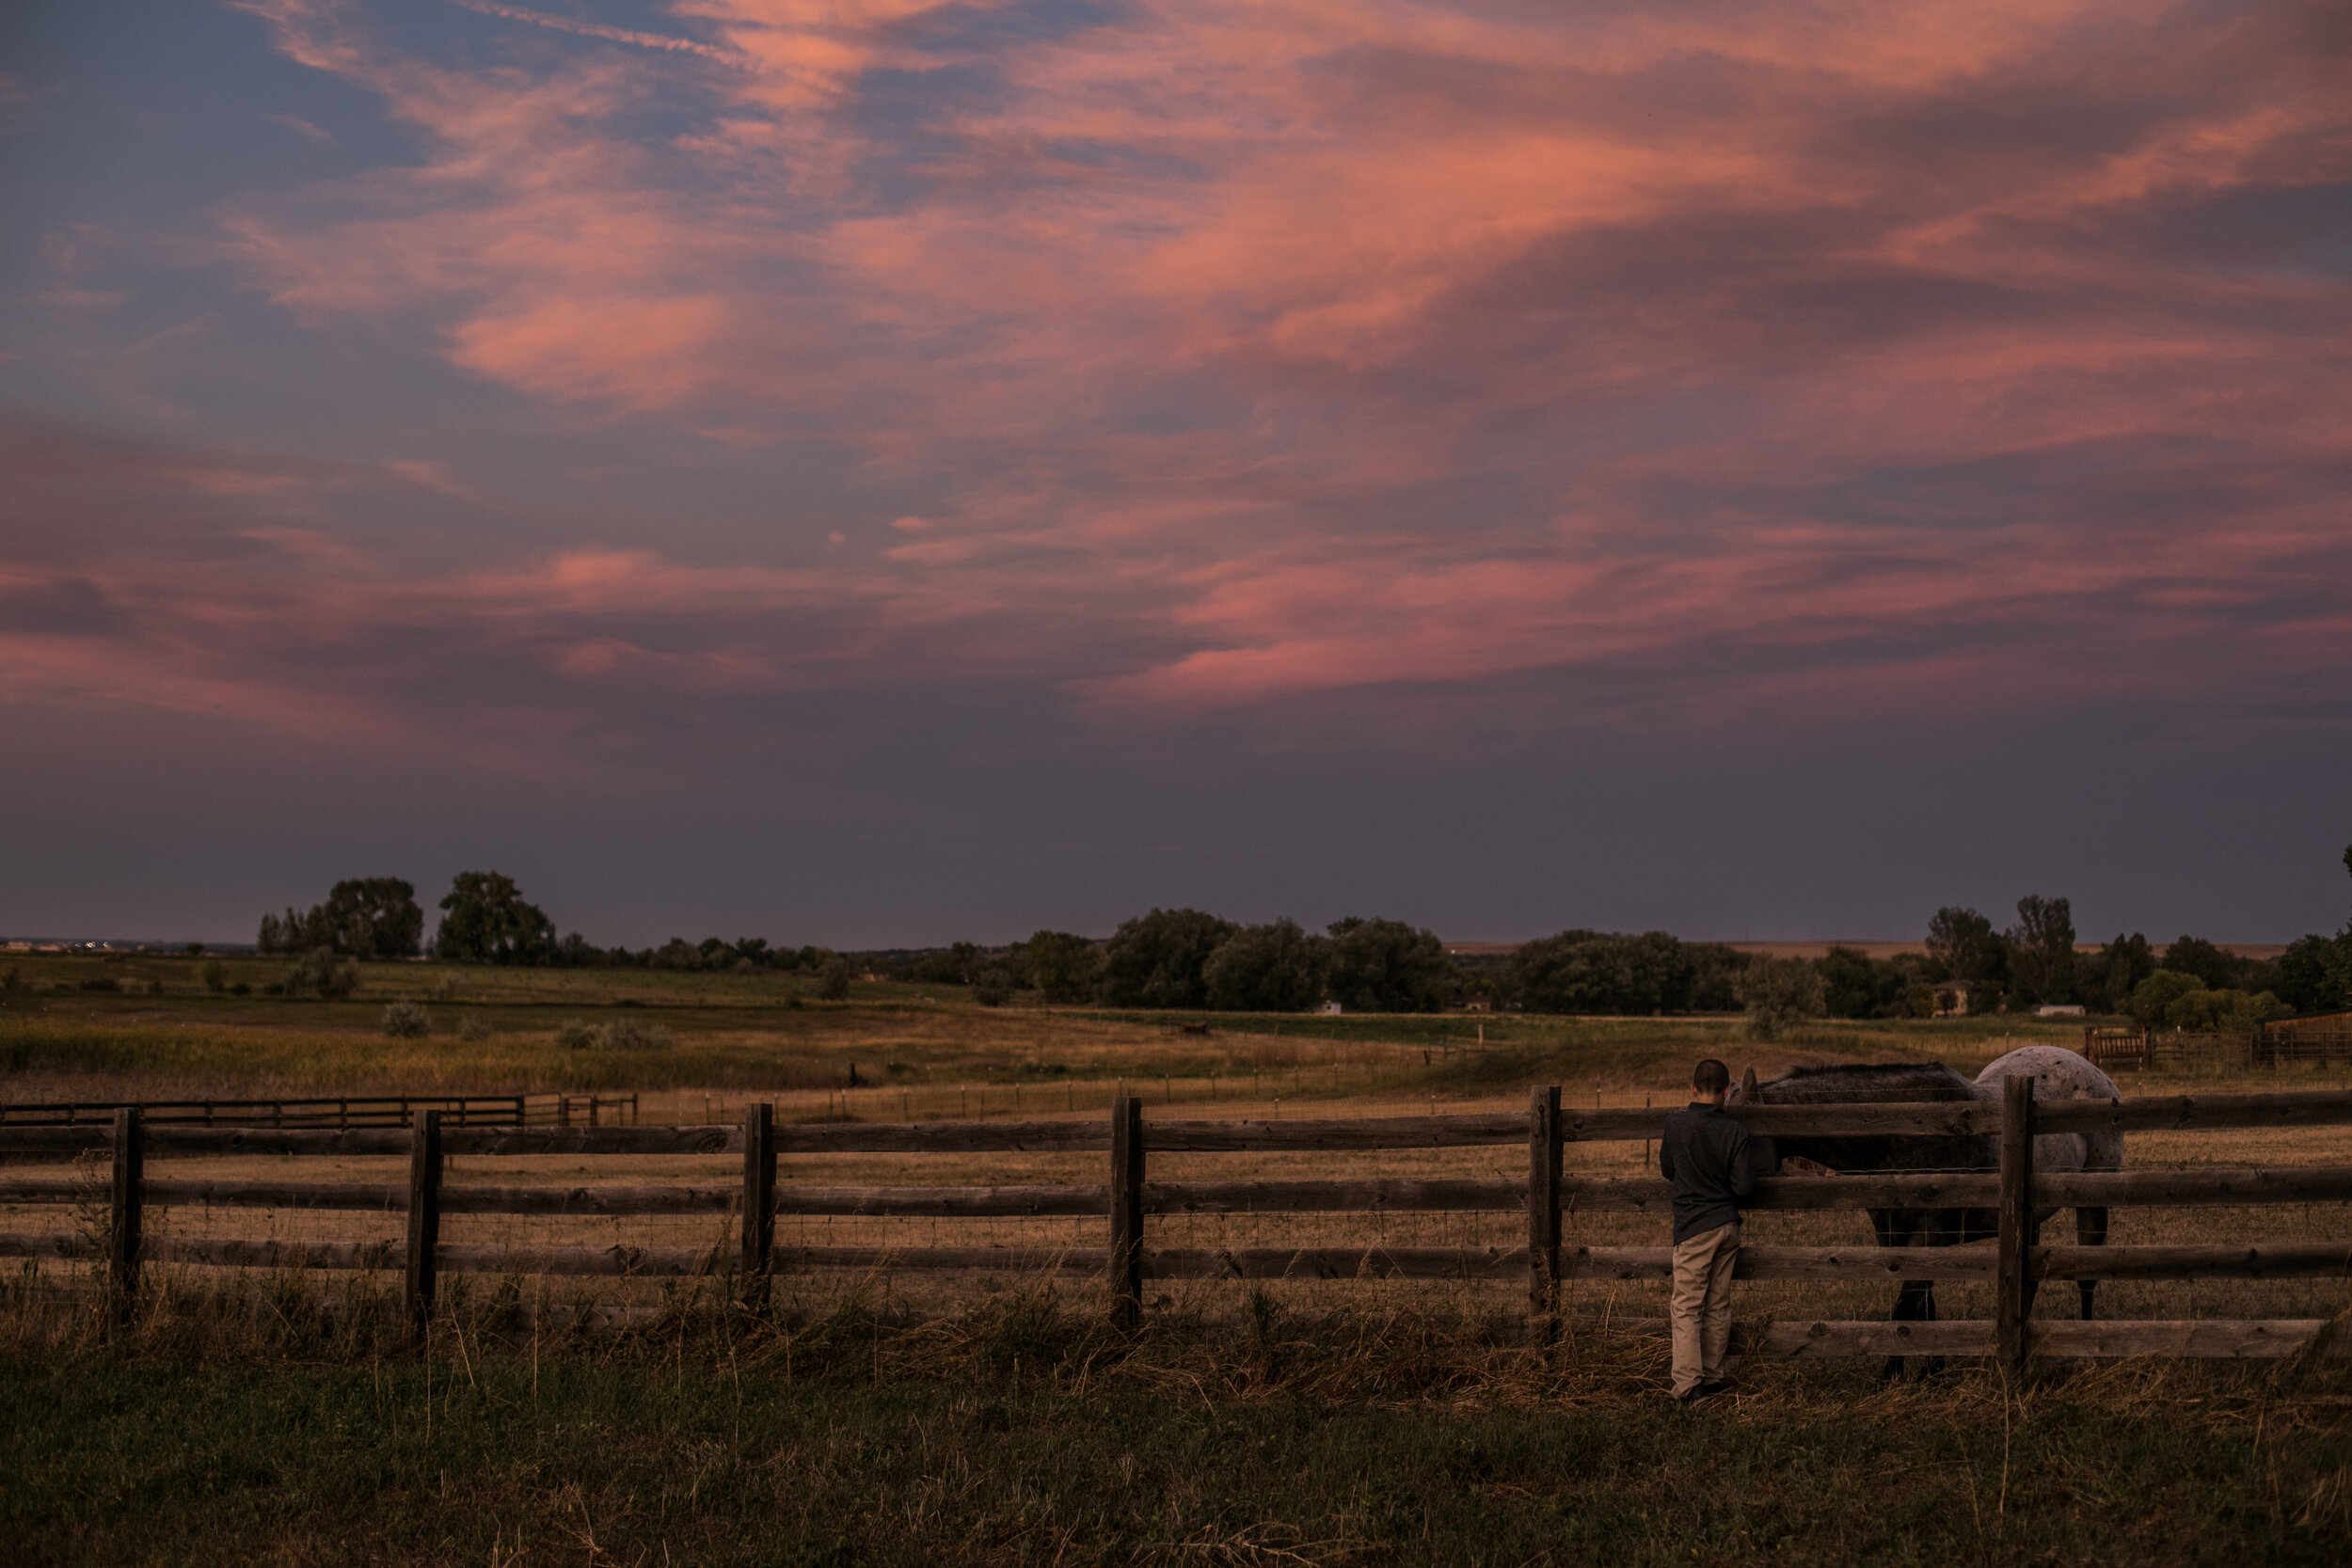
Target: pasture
x,y
991,1415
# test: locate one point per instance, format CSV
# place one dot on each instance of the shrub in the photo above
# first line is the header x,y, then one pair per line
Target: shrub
x,y
1779,993
2151,1000
406,1020
241,988
214,974
627,1034
833,979
320,973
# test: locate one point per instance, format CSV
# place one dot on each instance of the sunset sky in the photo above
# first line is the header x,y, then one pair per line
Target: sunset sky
x,y
873,472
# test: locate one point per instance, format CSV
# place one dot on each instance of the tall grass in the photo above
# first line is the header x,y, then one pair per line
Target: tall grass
x,y
1021,1430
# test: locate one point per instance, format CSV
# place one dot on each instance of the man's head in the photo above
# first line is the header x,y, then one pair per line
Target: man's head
x,y
1709,1080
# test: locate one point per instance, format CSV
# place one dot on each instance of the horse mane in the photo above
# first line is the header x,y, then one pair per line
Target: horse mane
x,y
1851,1083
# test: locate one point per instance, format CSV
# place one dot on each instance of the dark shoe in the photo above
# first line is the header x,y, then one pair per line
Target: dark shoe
x,y
1696,1392
1719,1385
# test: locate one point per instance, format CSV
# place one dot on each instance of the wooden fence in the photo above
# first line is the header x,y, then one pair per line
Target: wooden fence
x,y
1128,1199
476,1110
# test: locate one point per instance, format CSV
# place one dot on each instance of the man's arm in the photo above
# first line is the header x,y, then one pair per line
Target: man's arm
x,y
1666,1155
1743,1172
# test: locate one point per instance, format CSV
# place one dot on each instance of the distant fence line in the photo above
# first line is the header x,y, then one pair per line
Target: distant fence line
x,y
1127,1200
2271,1044
518,1110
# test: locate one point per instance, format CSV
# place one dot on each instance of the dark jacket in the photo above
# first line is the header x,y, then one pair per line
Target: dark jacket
x,y
1711,1163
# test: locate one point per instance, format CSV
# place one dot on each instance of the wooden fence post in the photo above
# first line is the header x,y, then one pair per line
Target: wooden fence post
x,y
2011,1290
1543,1211
1127,1212
760,1201
424,1216
122,1236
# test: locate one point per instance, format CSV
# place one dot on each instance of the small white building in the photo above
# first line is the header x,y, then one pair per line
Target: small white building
x,y
1329,1008
2060,1010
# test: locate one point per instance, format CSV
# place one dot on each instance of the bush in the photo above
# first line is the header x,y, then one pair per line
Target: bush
x,y
214,974
1779,993
320,973
2151,1000
625,1034
406,1020
833,979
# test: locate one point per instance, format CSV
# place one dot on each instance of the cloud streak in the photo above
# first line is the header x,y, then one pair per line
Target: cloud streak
x,y
1745,358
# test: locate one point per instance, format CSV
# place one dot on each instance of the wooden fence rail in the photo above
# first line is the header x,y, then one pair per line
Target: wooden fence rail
x,y
1128,1199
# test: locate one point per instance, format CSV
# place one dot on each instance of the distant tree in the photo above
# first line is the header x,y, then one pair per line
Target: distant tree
x,y
946,966
1964,944
214,974
2151,1000
2215,965
1780,992
756,950
1715,971
2314,976
484,919
832,977
367,917
993,982
1602,971
2105,980
2041,951
1159,960
1386,966
1854,985
676,953
1062,967
1275,968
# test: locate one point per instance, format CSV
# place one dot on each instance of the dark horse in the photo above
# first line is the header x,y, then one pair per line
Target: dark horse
x,y
1889,1083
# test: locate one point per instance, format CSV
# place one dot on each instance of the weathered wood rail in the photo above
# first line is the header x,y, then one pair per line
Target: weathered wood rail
x,y
1128,1201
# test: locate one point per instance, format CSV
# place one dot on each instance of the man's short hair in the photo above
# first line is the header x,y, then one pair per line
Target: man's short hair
x,y
1710,1077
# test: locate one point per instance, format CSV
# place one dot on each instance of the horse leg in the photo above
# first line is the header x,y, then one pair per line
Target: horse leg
x,y
1893,1229
2090,1229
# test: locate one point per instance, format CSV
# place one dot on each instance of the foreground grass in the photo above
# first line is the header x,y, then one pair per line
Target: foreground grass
x,y
1025,1432
118,1460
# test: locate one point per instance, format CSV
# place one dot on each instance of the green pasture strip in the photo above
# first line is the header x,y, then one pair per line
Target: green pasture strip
x,y
498,1459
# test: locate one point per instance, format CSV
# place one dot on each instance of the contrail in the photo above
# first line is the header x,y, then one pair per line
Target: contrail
x,y
615,35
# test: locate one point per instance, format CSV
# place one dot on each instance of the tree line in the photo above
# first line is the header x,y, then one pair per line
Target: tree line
x,y
1190,959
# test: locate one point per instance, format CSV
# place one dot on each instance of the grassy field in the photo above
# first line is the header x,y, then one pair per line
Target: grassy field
x,y
164,1033
1021,1433
992,1418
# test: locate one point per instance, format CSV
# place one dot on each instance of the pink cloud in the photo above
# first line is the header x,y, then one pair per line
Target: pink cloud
x,y
1262,352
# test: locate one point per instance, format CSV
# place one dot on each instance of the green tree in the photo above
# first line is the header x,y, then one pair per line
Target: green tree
x,y
1061,968
1964,944
1386,966
2041,951
1159,960
1779,993
1602,972
1275,968
484,919
2105,980
2215,965
1854,985
2151,1000
365,917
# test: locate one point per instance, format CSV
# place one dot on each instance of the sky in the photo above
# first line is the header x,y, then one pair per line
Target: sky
x,y
878,473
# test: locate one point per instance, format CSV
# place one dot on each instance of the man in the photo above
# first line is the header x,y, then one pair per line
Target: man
x,y
1709,1164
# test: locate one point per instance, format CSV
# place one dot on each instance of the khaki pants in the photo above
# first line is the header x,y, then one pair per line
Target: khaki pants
x,y
1701,1306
